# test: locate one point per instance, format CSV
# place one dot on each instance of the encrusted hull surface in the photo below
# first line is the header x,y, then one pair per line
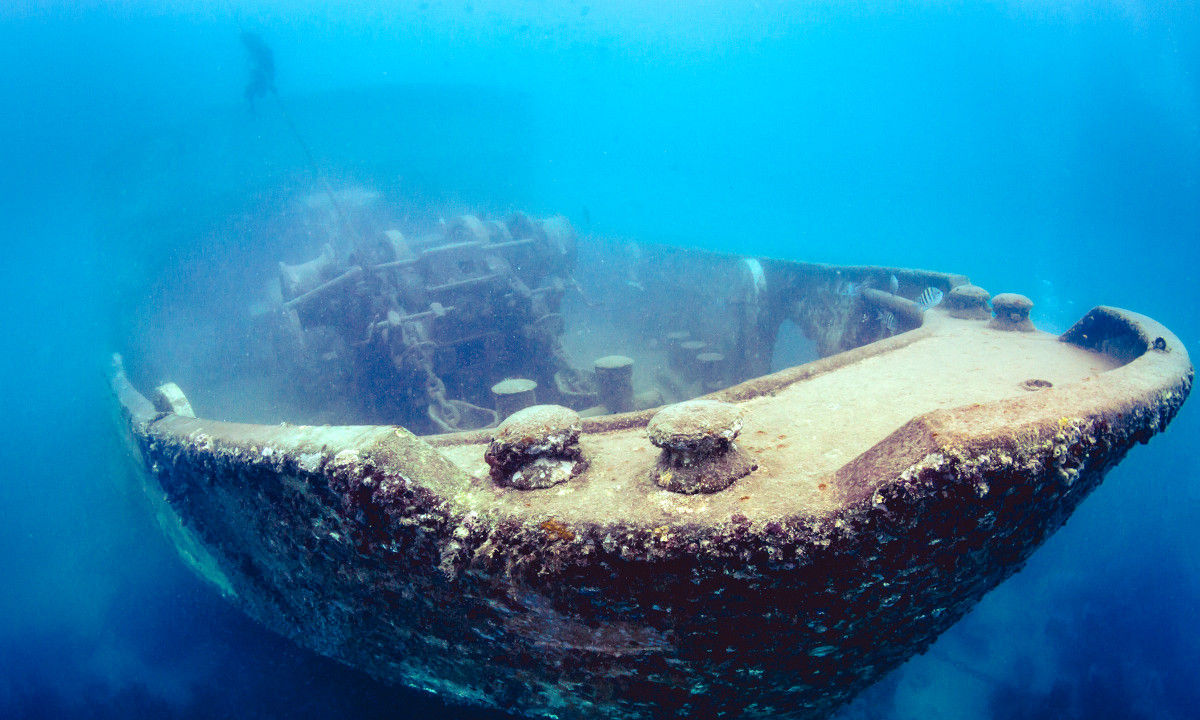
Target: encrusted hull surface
x,y
396,555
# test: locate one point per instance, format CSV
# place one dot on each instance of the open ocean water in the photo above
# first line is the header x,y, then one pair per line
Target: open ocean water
x,y
1047,148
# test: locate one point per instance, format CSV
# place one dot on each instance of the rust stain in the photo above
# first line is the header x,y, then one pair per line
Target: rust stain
x,y
557,530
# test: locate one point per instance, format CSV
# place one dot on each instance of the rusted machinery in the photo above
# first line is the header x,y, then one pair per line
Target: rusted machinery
x,y
420,329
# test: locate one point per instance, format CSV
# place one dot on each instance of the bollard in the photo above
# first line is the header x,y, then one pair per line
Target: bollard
x,y
513,394
711,369
689,350
1011,312
675,356
968,302
536,448
698,452
614,379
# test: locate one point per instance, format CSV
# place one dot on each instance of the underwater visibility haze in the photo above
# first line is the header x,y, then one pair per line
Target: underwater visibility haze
x,y
158,163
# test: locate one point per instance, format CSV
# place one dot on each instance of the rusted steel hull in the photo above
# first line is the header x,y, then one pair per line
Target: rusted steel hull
x,y
368,545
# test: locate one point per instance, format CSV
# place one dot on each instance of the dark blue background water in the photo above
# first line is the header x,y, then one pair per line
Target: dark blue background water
x,y
1049,149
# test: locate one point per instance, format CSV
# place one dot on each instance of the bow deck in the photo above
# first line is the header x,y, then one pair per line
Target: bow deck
x,y
893,485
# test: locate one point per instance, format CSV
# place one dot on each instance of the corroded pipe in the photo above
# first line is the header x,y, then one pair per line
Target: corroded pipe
x,y
352,274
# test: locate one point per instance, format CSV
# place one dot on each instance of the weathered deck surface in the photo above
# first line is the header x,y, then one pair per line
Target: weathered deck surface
x,y
802,434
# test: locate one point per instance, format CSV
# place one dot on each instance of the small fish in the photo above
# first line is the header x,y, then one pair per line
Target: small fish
x,y
893,284
930,298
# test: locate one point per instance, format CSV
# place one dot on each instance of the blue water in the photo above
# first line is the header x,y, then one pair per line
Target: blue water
x,y
1046,148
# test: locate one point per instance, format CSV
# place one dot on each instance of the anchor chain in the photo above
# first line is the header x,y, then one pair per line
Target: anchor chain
x,y
441,410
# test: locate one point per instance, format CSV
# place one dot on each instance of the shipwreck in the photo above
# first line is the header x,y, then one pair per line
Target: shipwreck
x,y
674,528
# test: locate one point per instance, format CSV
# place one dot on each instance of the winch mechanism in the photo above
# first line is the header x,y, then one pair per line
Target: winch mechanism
x,y
419,330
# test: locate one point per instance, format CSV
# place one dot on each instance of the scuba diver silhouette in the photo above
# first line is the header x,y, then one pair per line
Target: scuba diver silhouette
x,y
262,68
262,84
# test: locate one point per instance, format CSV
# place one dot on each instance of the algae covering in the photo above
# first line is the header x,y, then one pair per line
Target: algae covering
x,y
605,595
